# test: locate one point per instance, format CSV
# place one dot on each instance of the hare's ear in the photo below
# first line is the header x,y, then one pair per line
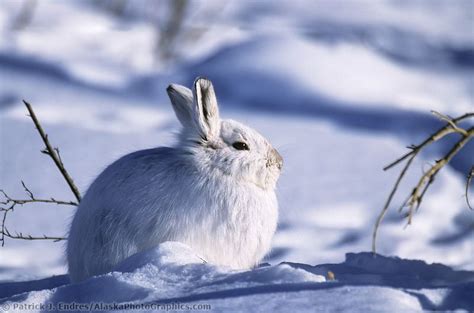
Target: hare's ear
x,y
206,111
182,102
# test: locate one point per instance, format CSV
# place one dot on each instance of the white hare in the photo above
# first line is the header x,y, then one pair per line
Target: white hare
x,y
214,191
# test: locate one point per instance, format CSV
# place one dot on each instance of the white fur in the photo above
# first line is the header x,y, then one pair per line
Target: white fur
x,y
203,192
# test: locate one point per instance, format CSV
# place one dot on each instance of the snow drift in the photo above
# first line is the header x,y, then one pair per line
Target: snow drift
x,y
172,274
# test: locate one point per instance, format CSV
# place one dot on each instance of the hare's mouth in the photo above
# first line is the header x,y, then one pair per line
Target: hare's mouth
x,y
274,163
274,159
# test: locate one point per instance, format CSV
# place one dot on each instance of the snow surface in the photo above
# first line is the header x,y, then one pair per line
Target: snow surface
x,y
172,274
339,87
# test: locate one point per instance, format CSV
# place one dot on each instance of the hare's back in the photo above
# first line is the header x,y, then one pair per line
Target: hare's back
x,y
134,173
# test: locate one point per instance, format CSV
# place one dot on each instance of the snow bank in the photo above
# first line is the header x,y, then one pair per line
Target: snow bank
x,y
172,274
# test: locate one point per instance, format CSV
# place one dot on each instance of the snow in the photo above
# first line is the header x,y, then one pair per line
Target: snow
x,y
363,73
172,274
343,87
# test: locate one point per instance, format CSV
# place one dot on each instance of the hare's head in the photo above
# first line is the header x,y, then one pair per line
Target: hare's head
x,y
228,146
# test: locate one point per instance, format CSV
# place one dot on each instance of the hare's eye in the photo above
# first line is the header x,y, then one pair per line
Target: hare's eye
x,y
239,145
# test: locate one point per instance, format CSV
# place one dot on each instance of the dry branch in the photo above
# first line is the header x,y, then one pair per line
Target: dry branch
x,y
29,237
11,203
414,200
53,153
440,133
468,183
32,198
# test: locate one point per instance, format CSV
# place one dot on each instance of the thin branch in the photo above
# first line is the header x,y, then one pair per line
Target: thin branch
x,y
12,203
4,219
440,133
468,183
427,179
53,153
28,191
450,121
59,156
389,200
7,233
32,199
413,201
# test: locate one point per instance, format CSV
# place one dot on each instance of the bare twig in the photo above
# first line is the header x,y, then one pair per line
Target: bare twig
x,y
12,203
7,233
32,198
53,153
450,121
414,200
440,133
427,179
468,183
4,219
389,200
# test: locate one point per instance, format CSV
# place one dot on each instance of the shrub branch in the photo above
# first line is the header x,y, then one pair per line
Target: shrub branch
x,y
10,203
413,201
53,153
468,183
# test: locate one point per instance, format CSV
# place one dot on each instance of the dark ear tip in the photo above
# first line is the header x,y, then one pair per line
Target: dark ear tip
x,y
202,81
170,88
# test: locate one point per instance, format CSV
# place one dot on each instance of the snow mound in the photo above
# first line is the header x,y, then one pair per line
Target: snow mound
x,y
174,253
172,274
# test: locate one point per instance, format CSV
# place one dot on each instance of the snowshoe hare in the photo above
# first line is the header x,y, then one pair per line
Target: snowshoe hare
x,y
214,191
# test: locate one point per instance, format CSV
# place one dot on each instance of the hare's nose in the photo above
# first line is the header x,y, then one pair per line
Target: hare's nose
x,y
276,158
